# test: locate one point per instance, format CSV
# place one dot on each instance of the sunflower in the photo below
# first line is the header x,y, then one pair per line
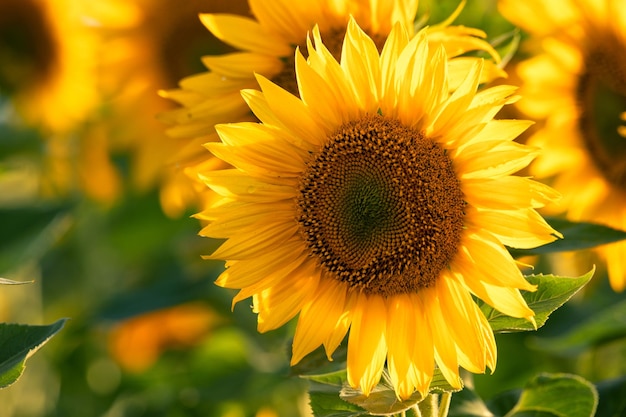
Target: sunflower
x,y
48,71
46,61
266,45
149,45
378,202
575,86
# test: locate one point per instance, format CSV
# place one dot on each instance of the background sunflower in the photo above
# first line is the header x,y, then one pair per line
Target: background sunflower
x,y
48,73
574,84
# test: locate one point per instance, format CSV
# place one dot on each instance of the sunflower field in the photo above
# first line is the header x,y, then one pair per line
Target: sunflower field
x,y
328,208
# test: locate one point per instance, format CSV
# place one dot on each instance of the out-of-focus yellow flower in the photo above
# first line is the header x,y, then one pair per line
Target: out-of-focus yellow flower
x,y
48,70
378,201
138,342
47,61
575,86
266,45
150,45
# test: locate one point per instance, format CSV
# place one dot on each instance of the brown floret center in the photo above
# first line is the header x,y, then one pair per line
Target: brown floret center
x,y
602,102
381,207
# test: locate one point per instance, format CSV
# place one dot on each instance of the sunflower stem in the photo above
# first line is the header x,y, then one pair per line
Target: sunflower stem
x,y
428,407
444,405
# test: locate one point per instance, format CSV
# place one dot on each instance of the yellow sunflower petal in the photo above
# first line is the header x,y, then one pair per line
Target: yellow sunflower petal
x,y
318,318
213,82
246,34
288,18
359,58
292,112
493,159
238,64
367,348
240,274
233,183
472,340
445,348
246,247
522,229
424,353
458,102
504,299
315,93
394,45
322,62
333,340
508,193
489,260
280,303
401,340
266,155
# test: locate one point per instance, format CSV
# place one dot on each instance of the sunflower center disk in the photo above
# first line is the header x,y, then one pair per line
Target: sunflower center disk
x,y
381,208
602,94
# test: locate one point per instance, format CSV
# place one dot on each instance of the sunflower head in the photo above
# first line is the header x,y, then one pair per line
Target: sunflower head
x,y
376,203
574,85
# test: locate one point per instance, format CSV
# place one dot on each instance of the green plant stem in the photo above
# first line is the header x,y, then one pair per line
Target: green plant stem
x,y
428,407
433,406
444,405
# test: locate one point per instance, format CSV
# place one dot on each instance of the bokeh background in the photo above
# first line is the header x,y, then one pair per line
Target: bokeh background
x,y
96,214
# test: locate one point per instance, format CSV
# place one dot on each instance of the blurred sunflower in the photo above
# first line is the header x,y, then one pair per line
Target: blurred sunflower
x,y
576,87
266,45
48,71
149,45
46,63
379,201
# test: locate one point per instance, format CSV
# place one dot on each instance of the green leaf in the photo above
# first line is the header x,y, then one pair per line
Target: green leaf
x,y
4,281
556,395
600,328
17,343
332,396
552,292
576,236
324,396
547,395
504,402
612,394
